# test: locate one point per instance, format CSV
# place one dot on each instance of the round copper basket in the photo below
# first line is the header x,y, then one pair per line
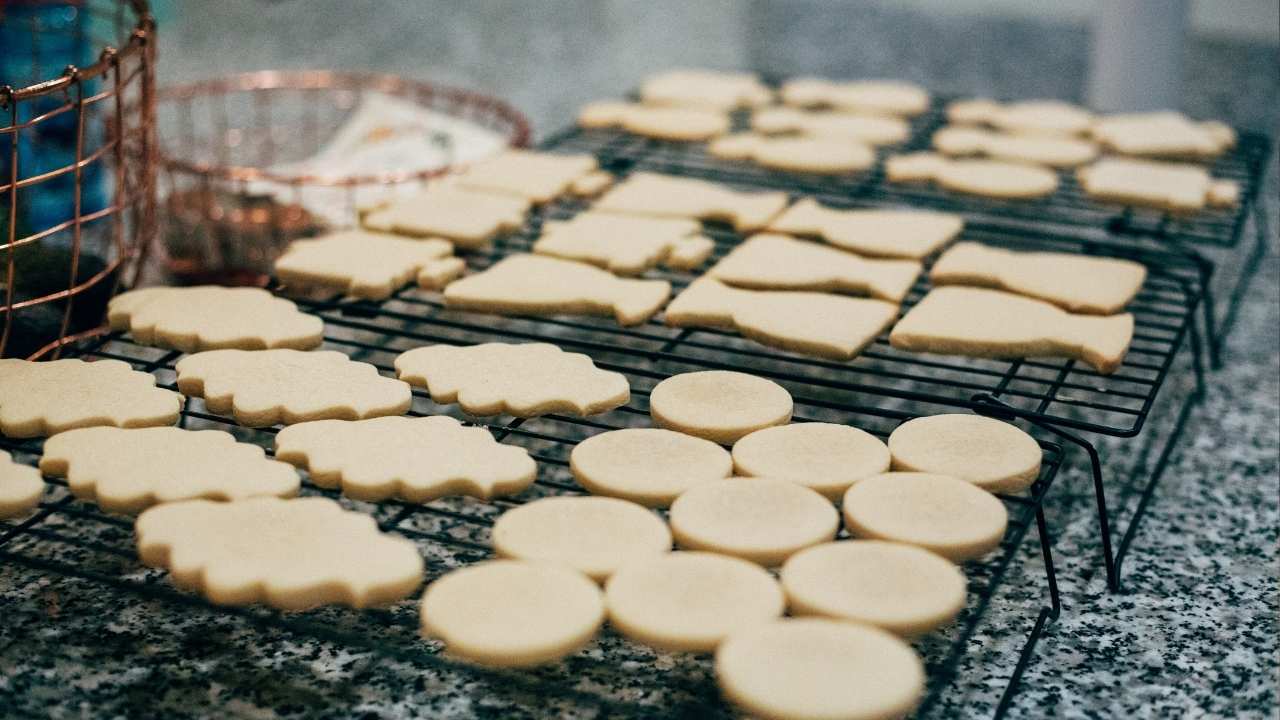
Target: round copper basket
x,y
222,141
77,160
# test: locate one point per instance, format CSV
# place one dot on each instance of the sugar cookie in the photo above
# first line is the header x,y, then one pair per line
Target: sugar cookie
x,y
670,196
649,466
820,670
44,398
535,176
988,178
683,124
715,89
825,155
758,519
21,487
511,613
984,323
437,274
824,457
591,184
1051,150
811,323
1039,117
901,588
870,129
940,513
1077,283
882,97
625,244
719,405
210,317
593,535
690,601
289,554
266,387
1162,134
525,284
468,219
522,379
359,263
127,471
991,454
414,459
1177,187
911,234
778,262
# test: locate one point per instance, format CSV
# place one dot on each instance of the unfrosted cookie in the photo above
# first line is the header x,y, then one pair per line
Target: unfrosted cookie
x,y
593,535
685,124
778,262
128,471
825,457
526,284
591,184
289,554
1052,150
210,317
467,218
669,196
1077,283
523,380
988,178
536,176
511,613
359,263
690,601
719,405
829,326
820,670
901,588
870,129
21,487
985,323
824,155
991,454
940,513
625,244
716,89
413,459
758,519
650,466
1038,117
1178,187
911,234
1163,134
266,387
437,274
44,398
882,97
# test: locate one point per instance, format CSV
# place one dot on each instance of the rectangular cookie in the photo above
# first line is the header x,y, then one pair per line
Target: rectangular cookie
x,y
536,176
669,196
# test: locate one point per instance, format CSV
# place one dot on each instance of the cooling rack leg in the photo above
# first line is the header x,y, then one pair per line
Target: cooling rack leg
x,y
1046,616
1247,271
1197,362
1209,308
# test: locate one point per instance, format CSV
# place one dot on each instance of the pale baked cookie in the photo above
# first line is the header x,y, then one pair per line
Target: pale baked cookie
x,y
526,284
683,124
21,487
670,196
1177,187
911,234
536,176
958,320
1077,283
289,554
44,398
812,323
824,457
820,670
758,519
467,218
991,454
210,317
650,466
266,387
719,405
1163,134
414,459
593,535
523,379
128,471
511,613
625,244
591,184
779,262
1032,117
820,154
883,97
359,263
690,601
715,89
946,515
869,129
988,178
1052,150
437,274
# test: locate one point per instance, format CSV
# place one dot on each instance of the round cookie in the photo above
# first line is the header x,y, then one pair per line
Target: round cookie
x,y
593,535
649,466
690,601
21,487
1051,117
510,613
823,456
719,405
758,519
937,512
997,178
820,669
902,588
991,454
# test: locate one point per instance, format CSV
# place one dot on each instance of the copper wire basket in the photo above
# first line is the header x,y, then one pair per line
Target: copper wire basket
x,y
231,201
77,155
